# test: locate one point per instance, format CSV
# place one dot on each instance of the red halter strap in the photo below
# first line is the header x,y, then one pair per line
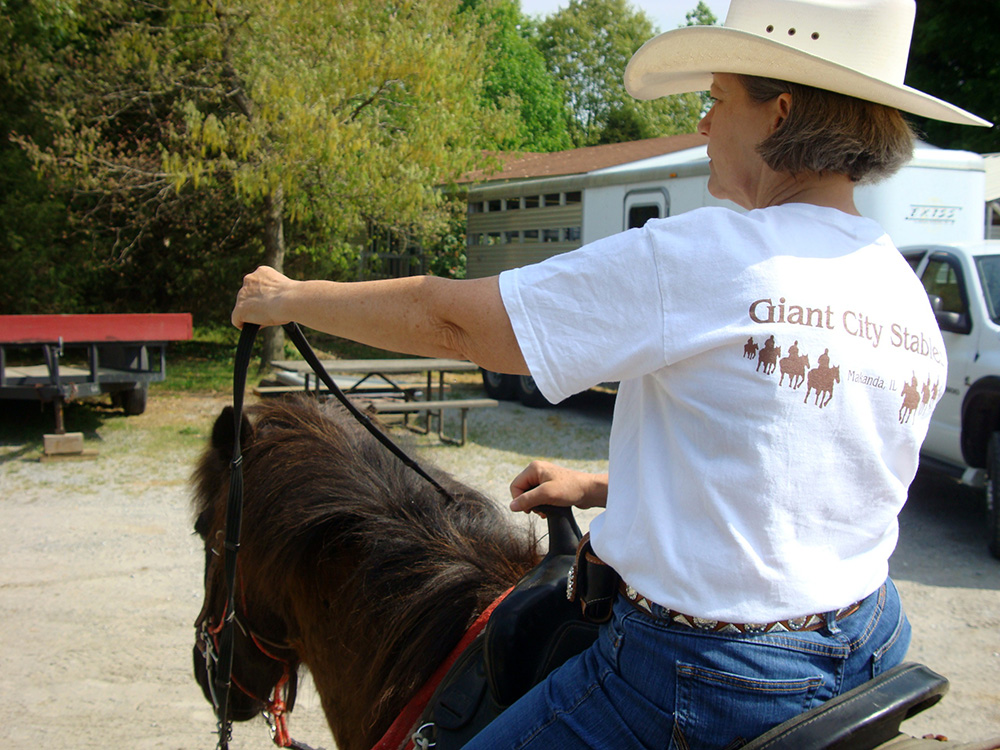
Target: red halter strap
x,y
399,735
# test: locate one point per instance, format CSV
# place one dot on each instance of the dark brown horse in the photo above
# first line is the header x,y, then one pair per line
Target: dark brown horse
x,y
350,564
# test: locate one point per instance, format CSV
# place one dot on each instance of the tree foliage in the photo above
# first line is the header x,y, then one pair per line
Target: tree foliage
x,y
587,46
32,214
516,79
351,111
198,137
954,56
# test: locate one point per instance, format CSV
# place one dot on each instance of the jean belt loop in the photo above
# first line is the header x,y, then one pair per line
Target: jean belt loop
x,y
831,623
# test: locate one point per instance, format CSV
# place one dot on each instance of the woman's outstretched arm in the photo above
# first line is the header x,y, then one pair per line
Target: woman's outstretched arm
x,y
423,315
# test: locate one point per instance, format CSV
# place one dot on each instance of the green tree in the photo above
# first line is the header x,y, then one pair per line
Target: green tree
x,y
587,46
700,15
305,114
36,271
516,79
954,56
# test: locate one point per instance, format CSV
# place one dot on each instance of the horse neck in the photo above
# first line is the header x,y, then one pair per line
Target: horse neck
x,y
366,663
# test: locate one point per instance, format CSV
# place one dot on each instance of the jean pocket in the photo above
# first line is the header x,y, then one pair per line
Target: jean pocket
x,y
716,709
892,652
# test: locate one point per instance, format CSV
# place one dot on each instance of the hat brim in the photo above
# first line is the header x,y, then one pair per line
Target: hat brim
x,y
683,60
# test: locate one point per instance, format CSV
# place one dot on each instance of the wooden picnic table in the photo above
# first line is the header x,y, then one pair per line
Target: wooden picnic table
x,y
363,371
387,370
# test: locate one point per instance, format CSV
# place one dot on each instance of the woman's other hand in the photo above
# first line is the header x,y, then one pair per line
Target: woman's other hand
x,y
545,483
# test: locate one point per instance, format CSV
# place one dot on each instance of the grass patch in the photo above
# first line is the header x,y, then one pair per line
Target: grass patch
x,y
203,365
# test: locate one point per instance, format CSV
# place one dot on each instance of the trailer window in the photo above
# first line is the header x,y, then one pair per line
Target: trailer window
x,y
511,237
644,204
495,205
550,235
572,234
574,197
513,204
552,199
532,201
476,207
531,235
639,215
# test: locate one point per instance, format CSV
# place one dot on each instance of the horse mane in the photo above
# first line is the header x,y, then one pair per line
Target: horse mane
x,y
322,496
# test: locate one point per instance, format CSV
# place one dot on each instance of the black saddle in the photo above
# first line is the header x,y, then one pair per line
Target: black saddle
x,y
535,629
531,632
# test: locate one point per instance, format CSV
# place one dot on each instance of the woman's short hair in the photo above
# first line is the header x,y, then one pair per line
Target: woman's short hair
x,y
830,132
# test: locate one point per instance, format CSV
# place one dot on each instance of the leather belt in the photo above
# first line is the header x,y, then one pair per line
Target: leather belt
x,y
793,625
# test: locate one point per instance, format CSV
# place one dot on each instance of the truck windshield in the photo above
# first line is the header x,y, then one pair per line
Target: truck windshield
x,y
988,267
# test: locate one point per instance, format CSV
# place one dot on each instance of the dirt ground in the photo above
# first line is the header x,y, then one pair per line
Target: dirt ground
x,y
100,576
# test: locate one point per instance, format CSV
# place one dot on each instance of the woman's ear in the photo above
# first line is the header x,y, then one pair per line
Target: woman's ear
x,y
782,108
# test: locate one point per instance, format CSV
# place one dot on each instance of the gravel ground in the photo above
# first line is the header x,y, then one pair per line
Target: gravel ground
x,y
100,577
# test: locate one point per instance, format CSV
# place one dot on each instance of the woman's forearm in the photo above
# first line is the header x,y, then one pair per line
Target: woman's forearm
x,y
422,315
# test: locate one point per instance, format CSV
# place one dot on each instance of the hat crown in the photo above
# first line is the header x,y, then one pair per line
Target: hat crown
x,y
870,36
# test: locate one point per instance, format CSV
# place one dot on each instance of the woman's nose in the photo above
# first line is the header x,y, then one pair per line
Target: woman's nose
x,y
705,123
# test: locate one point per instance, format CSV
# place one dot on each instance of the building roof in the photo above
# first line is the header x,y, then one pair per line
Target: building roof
x,y
522,166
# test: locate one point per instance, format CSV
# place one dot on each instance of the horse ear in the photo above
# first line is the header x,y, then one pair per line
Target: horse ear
x,y
222,433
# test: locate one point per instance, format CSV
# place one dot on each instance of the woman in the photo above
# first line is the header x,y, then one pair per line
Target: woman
x,y
750,513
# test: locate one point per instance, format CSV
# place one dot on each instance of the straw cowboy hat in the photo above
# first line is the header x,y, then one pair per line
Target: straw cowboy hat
x,y
853,47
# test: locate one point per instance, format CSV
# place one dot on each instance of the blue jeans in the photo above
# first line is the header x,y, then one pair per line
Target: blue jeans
x,y
649,683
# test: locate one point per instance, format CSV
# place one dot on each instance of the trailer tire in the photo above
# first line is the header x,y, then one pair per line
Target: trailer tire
x,y
134,399
528,393
993,493
499,386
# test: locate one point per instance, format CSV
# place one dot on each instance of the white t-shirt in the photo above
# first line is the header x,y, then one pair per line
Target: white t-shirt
x,y
778,369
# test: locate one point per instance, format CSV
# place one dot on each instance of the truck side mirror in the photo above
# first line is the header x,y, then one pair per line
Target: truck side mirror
x,y
953,322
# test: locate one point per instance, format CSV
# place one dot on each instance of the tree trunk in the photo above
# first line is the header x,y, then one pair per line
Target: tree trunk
x,y
273,337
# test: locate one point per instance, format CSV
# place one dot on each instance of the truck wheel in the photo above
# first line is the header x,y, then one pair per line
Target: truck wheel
x,y
134,399
498,386
528,393
993,493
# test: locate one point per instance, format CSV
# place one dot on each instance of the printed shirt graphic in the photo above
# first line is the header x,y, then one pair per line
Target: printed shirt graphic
x,y
778,369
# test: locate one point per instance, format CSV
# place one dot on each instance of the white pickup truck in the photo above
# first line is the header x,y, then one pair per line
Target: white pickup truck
x,y
963,283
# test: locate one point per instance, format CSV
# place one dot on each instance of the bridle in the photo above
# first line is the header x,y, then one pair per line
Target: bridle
x,y
217,640
282,698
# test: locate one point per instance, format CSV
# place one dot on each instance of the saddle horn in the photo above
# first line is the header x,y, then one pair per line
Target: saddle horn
x,y
564,533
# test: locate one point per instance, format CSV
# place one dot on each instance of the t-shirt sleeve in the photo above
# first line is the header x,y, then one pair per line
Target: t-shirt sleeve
x,y
588,316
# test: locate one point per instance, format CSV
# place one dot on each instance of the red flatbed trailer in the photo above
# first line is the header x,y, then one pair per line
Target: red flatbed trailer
x,y
117,350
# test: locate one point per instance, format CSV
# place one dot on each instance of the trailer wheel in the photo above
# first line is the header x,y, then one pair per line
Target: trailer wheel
x,y
528,393
993,493
133,400
499,386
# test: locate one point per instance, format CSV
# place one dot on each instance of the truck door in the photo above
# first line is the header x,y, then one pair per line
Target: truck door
x,y
944,278
643,205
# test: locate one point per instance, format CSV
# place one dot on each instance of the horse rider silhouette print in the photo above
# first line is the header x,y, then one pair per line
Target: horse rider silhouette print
x,y
919,394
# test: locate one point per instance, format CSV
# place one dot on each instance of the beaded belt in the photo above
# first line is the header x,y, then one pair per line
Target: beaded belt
x,y
794,625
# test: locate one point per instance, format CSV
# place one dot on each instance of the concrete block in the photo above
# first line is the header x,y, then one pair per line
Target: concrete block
x,y
69,442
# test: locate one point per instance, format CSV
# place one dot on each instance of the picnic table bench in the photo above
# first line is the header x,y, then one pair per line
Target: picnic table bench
x,y
434,409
